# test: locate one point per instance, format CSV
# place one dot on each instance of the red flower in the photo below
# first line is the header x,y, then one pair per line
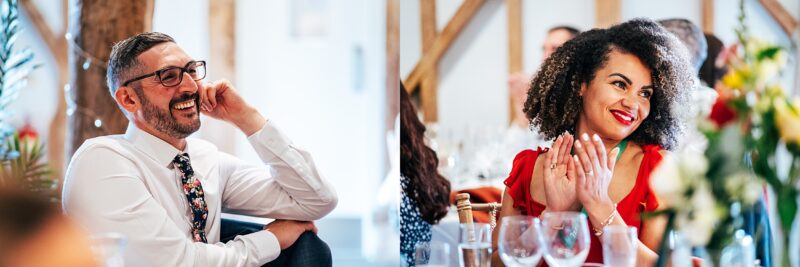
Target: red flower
x,y
27,131
721,113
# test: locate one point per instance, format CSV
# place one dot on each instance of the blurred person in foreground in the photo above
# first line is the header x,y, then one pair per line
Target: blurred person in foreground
x,y
425,193
34,233
607,99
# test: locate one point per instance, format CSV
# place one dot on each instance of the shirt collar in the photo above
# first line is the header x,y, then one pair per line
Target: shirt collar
x,y
155,148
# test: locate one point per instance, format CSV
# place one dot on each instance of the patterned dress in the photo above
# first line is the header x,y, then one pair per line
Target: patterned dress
x,y
413,229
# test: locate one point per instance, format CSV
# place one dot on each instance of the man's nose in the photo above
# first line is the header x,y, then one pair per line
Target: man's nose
x,y
187,83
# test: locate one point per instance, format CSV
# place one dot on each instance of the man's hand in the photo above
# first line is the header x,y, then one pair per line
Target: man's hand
x,y
288,231
220,100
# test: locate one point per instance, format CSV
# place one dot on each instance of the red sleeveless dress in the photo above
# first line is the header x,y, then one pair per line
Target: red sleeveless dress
x,y
640,199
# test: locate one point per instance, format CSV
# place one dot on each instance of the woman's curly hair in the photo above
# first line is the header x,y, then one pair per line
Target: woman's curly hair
x,y
418,163
554,100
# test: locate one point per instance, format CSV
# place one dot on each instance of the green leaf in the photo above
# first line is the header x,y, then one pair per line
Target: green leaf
x,y
768,53
787,209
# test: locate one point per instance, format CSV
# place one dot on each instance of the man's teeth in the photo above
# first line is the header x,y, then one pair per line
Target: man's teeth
x,y
184,105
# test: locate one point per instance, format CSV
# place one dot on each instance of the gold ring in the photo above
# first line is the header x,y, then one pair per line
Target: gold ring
x,y
552,166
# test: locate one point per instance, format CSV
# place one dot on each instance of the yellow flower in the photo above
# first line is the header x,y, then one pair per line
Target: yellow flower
x,y
787,119
733,80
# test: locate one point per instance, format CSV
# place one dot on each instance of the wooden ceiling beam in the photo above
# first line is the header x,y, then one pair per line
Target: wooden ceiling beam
x,y
443,41
779,13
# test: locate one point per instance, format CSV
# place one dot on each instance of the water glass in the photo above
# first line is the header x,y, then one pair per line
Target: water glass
x,y
475,245
519,241
566,238
619,245
431,254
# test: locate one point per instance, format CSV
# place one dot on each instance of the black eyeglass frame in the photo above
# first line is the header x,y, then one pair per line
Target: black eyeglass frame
x,y
158,73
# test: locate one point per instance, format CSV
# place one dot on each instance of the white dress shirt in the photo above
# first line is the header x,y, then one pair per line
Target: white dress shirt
x,y
127,184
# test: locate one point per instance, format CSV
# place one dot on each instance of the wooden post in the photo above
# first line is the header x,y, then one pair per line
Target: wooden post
x,y
429,85
222,65
465,217
392,61
58,49
515,52
464,208
708,16
95,26
607,12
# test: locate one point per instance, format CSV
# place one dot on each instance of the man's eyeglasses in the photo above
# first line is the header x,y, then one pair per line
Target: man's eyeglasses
x,y
172,76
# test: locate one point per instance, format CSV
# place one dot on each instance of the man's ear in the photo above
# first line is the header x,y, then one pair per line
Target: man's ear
x,y
127,99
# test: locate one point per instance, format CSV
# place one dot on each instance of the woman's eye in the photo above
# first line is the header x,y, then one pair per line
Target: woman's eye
x,y
619,84
646,94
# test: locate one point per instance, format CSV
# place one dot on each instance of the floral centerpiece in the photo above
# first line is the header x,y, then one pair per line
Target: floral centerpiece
x,y
753,138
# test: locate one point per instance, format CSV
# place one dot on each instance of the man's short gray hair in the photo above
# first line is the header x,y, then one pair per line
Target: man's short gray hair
x,y
124,53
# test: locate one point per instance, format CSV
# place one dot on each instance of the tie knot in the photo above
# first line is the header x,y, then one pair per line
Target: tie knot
x,y
182,162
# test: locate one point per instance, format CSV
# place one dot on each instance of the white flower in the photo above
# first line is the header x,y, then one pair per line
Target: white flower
x,y
743,185
667,183
699,223
693,163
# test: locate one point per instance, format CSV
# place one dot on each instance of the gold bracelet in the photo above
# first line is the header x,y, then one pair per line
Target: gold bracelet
x,y
604,223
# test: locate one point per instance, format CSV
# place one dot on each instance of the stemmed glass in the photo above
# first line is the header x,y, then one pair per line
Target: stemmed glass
x,y
519,242
566,238
619,245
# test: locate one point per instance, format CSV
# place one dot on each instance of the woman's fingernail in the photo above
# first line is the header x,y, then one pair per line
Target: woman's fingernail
x,y
578,144
585,137
596,137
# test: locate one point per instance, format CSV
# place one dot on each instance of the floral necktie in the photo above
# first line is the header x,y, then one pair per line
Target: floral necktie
x,y
194,194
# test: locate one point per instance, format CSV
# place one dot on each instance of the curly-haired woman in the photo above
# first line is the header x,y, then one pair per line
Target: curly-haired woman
x,y
612,95
425,193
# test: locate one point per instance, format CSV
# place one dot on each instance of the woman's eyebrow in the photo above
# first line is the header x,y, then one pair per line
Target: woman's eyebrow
x,y
628,81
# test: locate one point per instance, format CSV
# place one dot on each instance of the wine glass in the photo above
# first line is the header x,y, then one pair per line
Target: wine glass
x,y
475,245
431,254
619,245
109,248
566,238
519,242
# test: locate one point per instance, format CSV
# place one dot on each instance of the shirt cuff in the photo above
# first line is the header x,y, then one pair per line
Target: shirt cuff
x,y
270,137
265,245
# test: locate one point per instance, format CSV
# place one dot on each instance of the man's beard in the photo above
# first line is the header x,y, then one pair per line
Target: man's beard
x,y
163,120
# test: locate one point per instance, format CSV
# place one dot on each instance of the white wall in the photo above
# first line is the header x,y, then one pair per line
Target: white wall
x,y
472,73
310,89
